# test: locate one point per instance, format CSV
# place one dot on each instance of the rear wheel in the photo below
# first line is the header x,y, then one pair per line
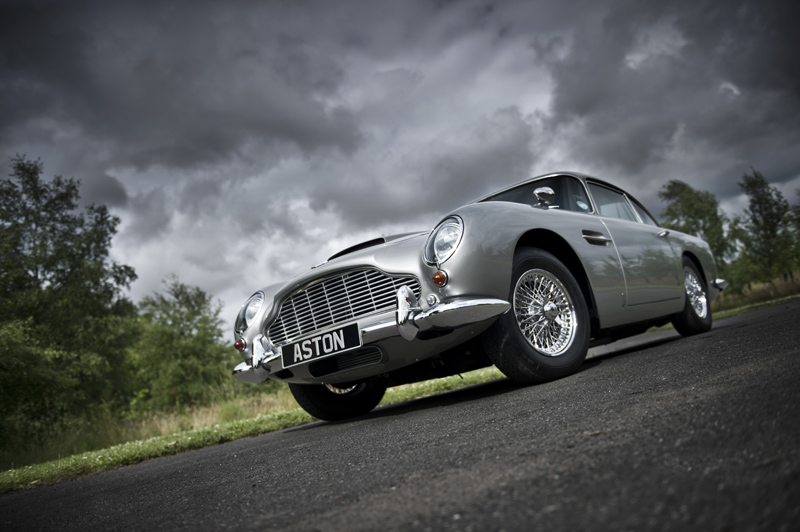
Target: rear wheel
x,y
696,315
546,334
332,402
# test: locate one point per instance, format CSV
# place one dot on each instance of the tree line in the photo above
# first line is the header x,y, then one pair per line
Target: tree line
x,y
72,343
759,245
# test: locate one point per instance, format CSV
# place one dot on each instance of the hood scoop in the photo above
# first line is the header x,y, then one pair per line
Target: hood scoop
x,y
359,247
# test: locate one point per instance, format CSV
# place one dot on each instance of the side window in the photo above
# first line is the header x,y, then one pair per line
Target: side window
x,y
611,203
570,194
646,218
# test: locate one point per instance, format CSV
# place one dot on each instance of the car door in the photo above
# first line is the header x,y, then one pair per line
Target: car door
x,y
651,264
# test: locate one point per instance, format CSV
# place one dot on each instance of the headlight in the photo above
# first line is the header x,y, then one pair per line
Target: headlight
x,y
443,241
248,312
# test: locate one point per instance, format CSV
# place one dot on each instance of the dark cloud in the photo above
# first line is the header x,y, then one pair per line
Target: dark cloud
x,y
166,86
242,141
468,163
103,189
723,74
149,216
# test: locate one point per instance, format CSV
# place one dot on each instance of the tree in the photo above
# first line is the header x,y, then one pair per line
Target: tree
x,y
180,357
766,231
696,212
61,295
53,254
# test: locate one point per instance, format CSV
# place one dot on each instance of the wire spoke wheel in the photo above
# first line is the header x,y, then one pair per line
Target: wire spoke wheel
x,y
695,318
545,312
546,334
695,293
338,401
341,391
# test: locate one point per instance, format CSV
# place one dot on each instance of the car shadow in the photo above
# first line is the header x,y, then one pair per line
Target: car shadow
x,y
468,393
465,394
628,348
500,386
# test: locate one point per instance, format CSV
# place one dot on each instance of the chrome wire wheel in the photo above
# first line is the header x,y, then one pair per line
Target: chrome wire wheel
x,y
341,391
695,293
544,312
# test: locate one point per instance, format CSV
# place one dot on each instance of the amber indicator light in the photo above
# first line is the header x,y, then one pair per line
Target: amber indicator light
x,y
439,278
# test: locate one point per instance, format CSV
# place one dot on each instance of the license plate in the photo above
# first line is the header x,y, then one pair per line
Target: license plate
x,y
322,345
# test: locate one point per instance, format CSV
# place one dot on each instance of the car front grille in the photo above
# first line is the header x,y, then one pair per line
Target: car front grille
x,y
336,300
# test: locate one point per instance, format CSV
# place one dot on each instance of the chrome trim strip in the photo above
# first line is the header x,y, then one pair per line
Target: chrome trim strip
x,y
379,330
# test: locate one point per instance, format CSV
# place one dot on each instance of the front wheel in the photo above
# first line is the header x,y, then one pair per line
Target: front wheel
x,y
329,402
696,315
546,334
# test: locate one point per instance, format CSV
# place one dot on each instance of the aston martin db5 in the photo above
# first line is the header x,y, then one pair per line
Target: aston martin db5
x,y
526,278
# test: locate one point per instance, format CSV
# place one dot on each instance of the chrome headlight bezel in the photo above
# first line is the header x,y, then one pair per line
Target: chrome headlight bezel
x,y
249,311
444,240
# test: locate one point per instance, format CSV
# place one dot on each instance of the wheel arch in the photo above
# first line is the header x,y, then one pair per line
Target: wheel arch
x,y
698,264
554,244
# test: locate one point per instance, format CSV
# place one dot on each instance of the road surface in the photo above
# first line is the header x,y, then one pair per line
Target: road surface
x,y
659,433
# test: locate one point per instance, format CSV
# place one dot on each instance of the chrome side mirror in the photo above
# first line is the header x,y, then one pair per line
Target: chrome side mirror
x,y
545,195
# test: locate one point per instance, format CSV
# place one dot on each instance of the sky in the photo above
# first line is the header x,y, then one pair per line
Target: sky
x,y
242,142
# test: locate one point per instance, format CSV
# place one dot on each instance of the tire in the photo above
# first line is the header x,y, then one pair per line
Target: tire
x,y
696,315
543,292
331,403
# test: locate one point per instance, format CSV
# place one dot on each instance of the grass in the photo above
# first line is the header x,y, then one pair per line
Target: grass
x,y
104,428
86,463
170,433
758,295
137,451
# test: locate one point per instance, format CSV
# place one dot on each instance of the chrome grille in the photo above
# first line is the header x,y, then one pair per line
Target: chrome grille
x,y
335,300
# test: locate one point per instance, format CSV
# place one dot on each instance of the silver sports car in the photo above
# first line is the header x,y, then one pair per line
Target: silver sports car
x,y
527,279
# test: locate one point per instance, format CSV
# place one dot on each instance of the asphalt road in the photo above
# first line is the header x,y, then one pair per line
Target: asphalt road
x,y
662,433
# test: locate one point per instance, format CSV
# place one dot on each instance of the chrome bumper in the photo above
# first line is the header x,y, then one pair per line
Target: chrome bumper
x,y
409,321
450,314
720,284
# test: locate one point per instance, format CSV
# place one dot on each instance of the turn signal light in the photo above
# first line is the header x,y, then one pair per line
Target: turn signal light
x,y
439,278
240,345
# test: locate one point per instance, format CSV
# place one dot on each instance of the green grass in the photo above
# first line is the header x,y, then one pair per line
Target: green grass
x,y
213,429
137,451
116,456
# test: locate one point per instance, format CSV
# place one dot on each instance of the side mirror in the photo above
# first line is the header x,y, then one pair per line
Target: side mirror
x,y
545,195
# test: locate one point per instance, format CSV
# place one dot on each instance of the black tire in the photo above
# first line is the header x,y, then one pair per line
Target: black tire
x,y
696,315
332,402
527,357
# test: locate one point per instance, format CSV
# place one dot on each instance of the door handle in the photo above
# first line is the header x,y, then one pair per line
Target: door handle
x,y
662,234
593,237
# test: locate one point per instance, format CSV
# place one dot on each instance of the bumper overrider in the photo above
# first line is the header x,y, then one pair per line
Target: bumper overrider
x,y
409,320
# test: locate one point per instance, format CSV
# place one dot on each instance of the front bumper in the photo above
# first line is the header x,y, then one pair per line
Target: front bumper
x,y
408,322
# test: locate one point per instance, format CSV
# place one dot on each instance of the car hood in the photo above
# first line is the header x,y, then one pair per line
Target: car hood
x,y
396,254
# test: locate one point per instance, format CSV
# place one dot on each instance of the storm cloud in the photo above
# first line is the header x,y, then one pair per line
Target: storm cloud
x,y
242,141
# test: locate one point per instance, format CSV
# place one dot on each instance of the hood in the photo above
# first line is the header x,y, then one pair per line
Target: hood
x,y
395,254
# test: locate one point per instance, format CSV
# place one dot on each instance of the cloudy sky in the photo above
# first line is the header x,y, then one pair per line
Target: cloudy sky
x,y
241,141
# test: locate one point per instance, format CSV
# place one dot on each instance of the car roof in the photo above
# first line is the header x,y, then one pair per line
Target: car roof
x,y
577,175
